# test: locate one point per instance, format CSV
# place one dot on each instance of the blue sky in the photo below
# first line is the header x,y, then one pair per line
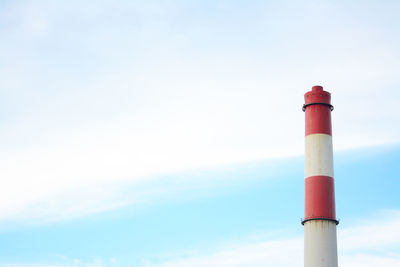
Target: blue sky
x,y
170,133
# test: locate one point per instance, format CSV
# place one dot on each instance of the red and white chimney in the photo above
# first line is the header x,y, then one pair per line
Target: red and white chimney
x,y
320,246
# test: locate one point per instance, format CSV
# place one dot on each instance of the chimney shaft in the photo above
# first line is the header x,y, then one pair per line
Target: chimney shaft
x,y
320,246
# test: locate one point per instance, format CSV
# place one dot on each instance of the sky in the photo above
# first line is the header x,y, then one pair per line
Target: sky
x,y
170,133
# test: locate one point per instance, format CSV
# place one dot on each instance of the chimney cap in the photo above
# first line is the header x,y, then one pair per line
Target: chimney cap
x,y
317,96
317,88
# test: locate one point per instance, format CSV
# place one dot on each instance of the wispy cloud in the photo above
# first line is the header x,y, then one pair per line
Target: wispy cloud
x,y
67,262
367,243
66,200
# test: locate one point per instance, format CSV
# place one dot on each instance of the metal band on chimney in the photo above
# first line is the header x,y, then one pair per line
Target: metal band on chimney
x,y
317,103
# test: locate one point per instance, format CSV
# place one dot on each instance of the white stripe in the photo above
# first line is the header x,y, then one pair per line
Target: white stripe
x,y
320,246
318,155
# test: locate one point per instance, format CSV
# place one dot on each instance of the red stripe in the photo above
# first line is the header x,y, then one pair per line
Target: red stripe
x,y
318,120
320,197
318,117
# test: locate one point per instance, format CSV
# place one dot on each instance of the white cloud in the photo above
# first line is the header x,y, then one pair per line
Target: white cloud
x,y
88,105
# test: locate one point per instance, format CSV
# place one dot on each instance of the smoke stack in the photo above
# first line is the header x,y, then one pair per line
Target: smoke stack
x,y
320,245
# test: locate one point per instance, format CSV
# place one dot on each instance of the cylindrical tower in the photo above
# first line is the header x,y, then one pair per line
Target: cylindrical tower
x,y
320,248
